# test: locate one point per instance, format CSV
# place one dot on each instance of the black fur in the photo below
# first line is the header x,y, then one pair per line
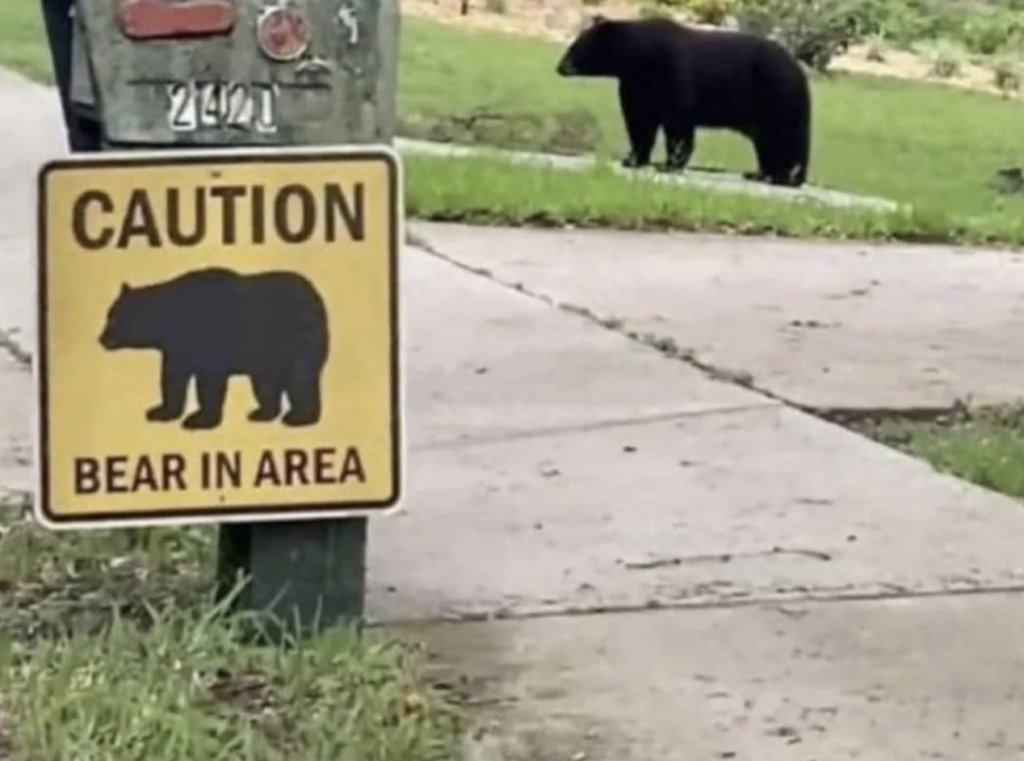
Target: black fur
x,y
678,78
213,323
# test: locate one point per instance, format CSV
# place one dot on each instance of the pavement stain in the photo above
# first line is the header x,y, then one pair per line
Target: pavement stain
x,y
478,665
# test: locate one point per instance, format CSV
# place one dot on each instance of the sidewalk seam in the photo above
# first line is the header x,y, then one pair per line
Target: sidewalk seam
x,y
597,425
782,602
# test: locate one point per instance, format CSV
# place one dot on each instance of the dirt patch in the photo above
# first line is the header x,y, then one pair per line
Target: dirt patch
x,y
903,64
559,20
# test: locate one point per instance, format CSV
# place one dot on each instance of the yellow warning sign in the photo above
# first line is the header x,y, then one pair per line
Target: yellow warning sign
x,y
218,336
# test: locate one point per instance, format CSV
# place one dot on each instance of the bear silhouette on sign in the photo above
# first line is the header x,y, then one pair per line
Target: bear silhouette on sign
x,y
213,323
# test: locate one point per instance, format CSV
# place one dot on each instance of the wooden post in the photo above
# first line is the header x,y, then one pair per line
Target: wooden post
x,y
309,574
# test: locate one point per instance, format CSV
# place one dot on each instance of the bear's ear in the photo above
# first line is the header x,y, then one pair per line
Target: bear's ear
x,y
125,289
597,19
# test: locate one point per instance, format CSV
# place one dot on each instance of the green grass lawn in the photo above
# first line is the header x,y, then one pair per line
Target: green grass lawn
x,y
23,45
926,145
929,145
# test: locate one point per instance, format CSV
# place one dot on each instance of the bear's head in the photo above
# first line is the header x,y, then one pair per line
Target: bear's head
x,y
598,51
128,319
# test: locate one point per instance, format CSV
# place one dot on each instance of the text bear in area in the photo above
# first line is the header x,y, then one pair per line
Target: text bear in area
x,y
291,467
213,323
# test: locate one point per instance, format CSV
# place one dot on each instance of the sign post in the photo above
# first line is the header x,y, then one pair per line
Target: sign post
x,y
219,329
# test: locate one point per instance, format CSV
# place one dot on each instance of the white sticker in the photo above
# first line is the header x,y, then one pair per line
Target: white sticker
x,y
347,18
221,105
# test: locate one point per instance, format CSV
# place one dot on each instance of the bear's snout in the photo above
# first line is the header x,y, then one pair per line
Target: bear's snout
x,y
565,67
107,340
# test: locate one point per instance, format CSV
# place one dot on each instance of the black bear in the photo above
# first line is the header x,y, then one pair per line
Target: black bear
x,y
678,78
213,323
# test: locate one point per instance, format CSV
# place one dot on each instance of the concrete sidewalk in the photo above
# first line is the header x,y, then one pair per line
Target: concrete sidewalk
x,y
683,568
823,325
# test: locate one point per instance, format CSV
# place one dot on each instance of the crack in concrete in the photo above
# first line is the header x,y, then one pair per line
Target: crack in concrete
x,y
851,417
846,417
666,346
601,425
783,601
724,557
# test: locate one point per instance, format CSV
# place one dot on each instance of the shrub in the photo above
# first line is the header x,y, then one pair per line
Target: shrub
x,y
911,21
945,65
710,12
989,33
816,31
654,11
1006,77
876,48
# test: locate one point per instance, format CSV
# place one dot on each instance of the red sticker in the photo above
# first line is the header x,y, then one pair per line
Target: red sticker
x,y
159,19
283,33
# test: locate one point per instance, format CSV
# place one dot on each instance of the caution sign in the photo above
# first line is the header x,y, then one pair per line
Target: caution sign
x,y
218,336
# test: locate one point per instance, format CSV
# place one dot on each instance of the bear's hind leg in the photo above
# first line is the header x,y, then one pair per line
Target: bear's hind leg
x,y
174,380
641,124
764,160
266,387
680,139
302,387
777,162
211,388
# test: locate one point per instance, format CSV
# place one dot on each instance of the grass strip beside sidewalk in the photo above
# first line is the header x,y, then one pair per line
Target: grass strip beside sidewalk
x,y
111,649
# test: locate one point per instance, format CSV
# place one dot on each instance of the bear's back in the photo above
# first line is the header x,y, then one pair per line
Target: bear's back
x,y
279,314
719,54
222,311
734,75
192,299
221,291
280,297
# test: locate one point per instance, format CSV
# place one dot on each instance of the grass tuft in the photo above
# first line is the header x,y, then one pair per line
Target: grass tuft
x,y
984,446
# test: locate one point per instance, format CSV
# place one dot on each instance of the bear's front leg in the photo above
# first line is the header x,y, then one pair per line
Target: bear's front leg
x,y
174,380
632,162
211,388
641,123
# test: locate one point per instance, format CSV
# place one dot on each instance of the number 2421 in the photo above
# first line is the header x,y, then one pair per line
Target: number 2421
x,y
237,105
